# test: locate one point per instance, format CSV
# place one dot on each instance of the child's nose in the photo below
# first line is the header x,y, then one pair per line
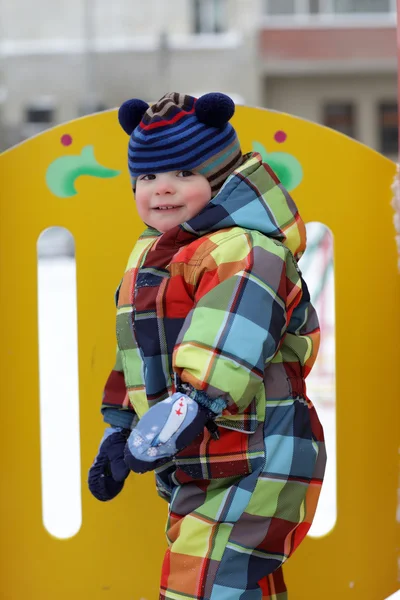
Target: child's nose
x,y
165,186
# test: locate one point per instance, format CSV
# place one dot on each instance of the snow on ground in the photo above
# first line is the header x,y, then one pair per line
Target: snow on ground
x,y
59,397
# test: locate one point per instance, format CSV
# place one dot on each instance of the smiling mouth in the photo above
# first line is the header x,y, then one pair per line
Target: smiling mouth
x,y
166,207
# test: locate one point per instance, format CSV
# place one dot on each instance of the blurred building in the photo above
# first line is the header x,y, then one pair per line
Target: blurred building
x,y
332,61
62,59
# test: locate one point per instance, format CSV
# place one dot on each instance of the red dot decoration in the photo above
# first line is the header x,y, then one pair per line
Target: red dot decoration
x,y
280,137
66,140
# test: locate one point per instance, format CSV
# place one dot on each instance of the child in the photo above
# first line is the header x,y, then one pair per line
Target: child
x,y
216,334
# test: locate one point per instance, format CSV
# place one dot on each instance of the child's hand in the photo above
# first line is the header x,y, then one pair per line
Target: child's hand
x,y
164,430
109,471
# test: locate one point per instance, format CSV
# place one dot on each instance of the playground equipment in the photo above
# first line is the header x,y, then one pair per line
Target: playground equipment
x,y
75,176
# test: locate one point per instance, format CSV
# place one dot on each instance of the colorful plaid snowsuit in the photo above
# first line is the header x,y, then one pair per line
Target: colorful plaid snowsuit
x,y
218,304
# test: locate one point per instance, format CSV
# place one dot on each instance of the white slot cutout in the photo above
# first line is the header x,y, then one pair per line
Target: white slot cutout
x,y
59,389
318,270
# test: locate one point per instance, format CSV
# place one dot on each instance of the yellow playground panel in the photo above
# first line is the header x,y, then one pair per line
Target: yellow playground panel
x,y
75,176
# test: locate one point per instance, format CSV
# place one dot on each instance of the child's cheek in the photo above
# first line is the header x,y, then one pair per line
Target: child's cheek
x,y
142,203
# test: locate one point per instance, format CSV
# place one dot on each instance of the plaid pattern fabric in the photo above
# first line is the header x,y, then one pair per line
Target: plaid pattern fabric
x,y
230,528
213,309
218,305
115,394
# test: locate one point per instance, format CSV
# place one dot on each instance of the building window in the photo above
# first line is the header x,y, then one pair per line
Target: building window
x,y
362,6
314,7
210,16
388,127
39,114
340,116
281,7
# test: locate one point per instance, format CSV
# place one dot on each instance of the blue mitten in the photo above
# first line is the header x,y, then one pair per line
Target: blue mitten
x,y
164,430
108,473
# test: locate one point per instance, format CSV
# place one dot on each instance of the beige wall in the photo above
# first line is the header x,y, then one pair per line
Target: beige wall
x,y
305,96
38,19
117,76
44,55
50,19
141,17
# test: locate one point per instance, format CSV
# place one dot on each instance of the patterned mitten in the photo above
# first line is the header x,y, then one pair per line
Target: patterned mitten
x,y
164,430
108,473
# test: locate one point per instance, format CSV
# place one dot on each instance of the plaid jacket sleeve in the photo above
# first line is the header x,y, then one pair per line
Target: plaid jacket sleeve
x,y
247,287
116,407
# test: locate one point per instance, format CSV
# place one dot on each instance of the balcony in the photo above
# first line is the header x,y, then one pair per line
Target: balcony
x,y
342,36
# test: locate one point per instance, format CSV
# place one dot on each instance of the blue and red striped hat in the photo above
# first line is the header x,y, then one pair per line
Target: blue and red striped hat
x,y
182,132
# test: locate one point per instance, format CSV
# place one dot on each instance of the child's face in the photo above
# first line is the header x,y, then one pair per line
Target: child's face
x,y
165,200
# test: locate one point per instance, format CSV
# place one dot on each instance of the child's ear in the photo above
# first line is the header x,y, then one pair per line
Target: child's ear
x,y
131,113
214,109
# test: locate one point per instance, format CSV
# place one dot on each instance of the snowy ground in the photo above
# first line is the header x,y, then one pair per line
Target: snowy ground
x,y
62,512
60,447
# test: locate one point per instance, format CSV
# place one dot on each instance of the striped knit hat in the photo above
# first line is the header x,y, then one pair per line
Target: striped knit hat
x,y
181,132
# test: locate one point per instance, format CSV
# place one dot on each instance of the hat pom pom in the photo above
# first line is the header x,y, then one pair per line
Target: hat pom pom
x,y
214,109
130,114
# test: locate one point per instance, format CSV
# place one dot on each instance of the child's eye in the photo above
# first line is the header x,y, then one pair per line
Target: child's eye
x,y
185,173
147,177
